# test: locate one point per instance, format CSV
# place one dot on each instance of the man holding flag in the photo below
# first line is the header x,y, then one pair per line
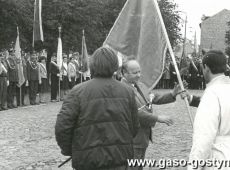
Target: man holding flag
x,y
20,89
139,33
12,75
84,60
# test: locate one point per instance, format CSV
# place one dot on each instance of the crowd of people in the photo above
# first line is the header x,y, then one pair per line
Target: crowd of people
x,y
104,122
37,78
192,74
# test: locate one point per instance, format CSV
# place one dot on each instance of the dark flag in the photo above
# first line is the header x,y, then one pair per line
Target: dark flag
x,y
37,27
84,56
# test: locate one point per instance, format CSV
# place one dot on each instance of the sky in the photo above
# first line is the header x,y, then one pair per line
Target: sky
x,y
195,9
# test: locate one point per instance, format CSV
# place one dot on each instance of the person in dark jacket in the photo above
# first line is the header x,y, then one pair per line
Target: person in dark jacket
x,y
3,84
192,99
12,75
98,119
33,78
54,77
131,76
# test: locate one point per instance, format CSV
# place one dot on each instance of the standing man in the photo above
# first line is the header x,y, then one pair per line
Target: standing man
x,y
33,78
98,120
43,83
3,83
12,78
71,72
131,74
54,77
23,86
78,68
211,132
64,79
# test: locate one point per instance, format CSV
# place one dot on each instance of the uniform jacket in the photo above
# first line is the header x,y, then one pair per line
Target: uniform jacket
x,y
54,68
24,65
32,71
97,123
12,73
147,117
211,132
78,68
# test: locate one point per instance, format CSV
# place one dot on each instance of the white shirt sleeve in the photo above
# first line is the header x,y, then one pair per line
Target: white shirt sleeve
x,y
206,126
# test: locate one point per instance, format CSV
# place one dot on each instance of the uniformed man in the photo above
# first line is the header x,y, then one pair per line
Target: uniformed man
x,y
12,78
32,75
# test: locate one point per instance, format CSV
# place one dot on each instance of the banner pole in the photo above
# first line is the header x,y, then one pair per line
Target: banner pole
x,y
173,59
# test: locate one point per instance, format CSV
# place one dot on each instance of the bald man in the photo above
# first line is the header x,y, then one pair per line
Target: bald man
x,y
131,72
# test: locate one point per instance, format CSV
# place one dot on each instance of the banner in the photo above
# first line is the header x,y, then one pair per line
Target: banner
x,y
138,33
59,53
21,78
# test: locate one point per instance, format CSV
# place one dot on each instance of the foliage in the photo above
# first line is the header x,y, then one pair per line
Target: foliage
x,y
227,41
96,17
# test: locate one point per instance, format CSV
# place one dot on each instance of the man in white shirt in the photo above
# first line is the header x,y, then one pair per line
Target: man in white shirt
x,y
211,133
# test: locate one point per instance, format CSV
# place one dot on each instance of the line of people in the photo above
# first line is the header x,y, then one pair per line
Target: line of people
x,y
37,78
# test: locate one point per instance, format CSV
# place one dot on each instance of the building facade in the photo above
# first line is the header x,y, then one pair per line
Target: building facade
x,y
213,31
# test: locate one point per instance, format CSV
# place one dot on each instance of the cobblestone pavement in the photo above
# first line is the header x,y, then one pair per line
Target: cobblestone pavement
x,y
27,140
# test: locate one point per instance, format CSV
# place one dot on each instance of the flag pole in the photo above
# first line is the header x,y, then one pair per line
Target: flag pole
x,y
20,95
59,80
82,48
173,59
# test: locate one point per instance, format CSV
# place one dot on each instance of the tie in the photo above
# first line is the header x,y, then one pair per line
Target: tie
x,y
140,92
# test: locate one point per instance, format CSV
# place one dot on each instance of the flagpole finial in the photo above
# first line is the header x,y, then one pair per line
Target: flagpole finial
x,y
59,30
17,31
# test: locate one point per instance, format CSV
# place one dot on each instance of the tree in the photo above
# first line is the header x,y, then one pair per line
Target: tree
x,y
96,17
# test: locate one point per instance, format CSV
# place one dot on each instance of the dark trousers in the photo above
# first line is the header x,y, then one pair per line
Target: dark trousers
x,y
78,80
33,90
72,83
11,91
54,86
3,91
139,153
23,92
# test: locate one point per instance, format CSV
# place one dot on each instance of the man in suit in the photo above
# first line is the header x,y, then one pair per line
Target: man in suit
x,y
131,74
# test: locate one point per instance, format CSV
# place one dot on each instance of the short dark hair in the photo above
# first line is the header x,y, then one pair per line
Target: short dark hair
x,y
103,63
215,60
42,58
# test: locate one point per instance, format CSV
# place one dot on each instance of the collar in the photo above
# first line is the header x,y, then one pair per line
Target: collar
x,y
217,79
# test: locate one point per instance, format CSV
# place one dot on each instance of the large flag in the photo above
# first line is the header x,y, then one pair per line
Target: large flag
x,y
37,27
21,78
138,33
84,56
59,51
